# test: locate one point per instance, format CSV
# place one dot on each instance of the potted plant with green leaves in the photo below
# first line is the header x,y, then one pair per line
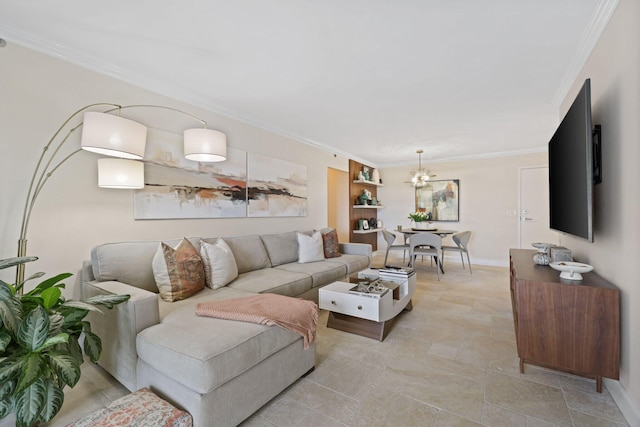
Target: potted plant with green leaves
x,y
40,352
420,220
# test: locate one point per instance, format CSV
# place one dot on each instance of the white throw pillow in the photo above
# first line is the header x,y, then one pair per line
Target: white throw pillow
x,y
220,266
310,248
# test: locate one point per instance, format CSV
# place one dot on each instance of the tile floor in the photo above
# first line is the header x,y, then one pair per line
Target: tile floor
x,y
450,362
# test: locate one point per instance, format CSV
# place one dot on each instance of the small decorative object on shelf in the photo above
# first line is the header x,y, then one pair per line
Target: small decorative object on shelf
x,y
375,176
560,253
369,288
360,176
365,172
542,257
571,270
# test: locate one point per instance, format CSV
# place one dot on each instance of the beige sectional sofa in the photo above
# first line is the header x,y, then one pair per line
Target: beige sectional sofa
x,y
220,371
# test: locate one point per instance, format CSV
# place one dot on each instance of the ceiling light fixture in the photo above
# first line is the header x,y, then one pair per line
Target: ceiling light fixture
x,y
420,177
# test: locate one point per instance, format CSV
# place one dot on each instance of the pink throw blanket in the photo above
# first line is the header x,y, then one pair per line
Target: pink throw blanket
x,y
294,314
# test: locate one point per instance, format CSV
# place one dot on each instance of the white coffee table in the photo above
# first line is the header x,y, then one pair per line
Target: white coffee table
x,y
363,315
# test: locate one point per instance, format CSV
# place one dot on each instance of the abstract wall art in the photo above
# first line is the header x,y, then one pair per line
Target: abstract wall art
x,y
276,188
177,188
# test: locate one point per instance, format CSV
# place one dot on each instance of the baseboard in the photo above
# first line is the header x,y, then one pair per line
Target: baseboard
x,y
625,402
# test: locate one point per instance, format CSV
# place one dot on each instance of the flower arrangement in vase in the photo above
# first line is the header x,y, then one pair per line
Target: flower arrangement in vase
x,y
420,219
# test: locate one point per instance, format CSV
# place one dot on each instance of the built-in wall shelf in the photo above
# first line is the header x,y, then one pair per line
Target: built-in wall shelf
x,y
357,212
369,231
364,181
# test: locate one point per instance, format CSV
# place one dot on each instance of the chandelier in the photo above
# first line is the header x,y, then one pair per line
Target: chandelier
x,y
420,177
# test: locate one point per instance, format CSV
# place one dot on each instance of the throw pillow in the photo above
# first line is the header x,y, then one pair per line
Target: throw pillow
x,y
330,244
178,271
220,265
310,248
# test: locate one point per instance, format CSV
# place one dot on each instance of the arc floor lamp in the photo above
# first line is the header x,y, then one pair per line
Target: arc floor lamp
x,y
107,132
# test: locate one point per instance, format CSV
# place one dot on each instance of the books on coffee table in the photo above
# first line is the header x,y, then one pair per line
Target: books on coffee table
x,y
392,272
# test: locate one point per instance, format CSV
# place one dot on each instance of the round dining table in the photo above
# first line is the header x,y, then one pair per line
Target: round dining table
x,y
439,231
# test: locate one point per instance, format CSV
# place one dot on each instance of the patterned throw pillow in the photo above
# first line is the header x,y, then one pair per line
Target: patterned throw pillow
x,y
220,265
178,271
330,244
310,247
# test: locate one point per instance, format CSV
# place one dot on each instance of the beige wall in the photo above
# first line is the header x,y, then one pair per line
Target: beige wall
x,y
614,69
72,214
488,202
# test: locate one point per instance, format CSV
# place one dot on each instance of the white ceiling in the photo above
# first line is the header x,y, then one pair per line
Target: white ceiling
x,y
369,79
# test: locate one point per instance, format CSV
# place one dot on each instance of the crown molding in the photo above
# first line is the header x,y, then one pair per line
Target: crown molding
x,y
590,38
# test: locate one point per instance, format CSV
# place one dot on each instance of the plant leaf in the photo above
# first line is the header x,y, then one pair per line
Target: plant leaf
x,y
50,282
34,329
81,305
53,402
10,262
32,367
10,309
9,368
50,297
73,316
107,300
29,403
6,406
56,322
66,367
5,340
92,346
61,338
35,276
6,389
74,349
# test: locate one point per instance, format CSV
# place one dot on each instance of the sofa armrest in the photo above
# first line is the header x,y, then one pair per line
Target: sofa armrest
x,y
119,326
356,249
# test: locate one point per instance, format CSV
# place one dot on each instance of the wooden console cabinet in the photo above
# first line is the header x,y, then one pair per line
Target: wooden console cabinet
x,y
571,326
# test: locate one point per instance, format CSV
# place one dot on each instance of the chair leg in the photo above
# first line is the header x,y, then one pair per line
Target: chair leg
x,y
469,262
385,258
437,266
462,258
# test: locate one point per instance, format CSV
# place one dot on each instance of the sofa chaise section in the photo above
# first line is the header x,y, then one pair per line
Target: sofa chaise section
x,y
220,371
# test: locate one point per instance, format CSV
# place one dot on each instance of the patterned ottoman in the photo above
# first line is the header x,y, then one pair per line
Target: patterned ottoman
x,y
139,409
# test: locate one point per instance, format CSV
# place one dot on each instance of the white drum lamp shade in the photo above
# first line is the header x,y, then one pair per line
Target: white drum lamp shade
x,y
115,136
205,145
120,173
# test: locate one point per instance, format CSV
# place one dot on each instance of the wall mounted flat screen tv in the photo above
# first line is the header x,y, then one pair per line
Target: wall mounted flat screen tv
x,y
574,168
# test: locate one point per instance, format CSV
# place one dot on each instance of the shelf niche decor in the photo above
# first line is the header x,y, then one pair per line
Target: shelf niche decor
x,y
360,212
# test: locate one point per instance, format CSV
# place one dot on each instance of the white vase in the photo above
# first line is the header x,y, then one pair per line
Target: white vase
x,y
375,176
421,225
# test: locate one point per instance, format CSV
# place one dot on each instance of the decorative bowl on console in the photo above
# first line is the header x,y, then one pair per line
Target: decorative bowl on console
x,y
571,270
542,247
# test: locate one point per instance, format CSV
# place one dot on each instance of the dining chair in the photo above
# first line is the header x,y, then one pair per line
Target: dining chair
x,y
462,245
425,244
390,237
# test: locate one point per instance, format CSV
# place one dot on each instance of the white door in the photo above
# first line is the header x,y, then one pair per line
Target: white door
x,y
533,212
